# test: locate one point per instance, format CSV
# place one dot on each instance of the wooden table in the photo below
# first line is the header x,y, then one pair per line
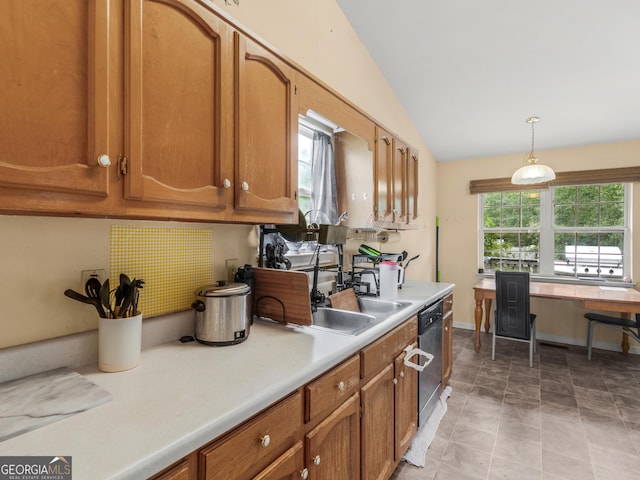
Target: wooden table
x,y
592,297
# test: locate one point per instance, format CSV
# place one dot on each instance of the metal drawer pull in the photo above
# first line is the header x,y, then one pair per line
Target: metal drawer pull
x,y
316,460
265,441
341,386
395,381
245,186
410,352
226,183
304,474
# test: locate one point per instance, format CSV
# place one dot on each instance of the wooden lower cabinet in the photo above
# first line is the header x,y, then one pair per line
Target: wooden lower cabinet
x,y
332,446
406,411
378,426
389,402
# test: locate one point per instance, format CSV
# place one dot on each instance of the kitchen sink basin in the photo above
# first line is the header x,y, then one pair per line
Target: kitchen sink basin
x,y
372,312
343,321
380,308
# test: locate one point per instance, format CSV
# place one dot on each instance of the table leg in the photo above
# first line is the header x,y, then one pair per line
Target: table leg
x,y
625,338
478,318
487,314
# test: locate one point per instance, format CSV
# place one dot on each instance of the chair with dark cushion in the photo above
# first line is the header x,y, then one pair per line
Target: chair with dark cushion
x,y
630,327
513,320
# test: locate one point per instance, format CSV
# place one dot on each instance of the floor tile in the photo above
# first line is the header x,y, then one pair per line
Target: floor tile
x,y
566,418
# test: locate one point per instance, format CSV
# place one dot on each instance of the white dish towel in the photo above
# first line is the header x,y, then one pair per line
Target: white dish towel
x,y
416,454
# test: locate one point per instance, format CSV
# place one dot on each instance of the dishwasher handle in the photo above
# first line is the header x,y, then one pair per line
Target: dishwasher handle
x,y
411,352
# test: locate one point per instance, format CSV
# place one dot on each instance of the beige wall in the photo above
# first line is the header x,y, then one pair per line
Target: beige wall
x,y
41,257
458,211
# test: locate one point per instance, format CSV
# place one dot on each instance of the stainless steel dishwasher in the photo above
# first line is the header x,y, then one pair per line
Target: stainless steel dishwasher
x,y
430,340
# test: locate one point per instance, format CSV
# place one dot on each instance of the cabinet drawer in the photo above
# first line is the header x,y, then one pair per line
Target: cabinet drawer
x,y
382,352
332,388
253,446
447,305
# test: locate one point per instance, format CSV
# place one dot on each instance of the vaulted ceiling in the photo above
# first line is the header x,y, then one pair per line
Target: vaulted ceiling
x,y
469,72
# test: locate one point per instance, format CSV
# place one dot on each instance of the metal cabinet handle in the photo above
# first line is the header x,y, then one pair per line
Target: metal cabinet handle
x,y
104,160
316,460
226,183
265,441
304,474
341,386
395,381
402,374
245,186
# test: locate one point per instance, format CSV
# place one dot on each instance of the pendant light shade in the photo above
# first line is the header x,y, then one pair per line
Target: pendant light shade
x,y
533,172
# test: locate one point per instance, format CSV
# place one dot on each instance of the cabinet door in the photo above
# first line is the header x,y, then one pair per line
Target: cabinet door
x,y
179,101
383,176
266,126
406,404
55,97
377,438
288,466
332,448
412,186
399,190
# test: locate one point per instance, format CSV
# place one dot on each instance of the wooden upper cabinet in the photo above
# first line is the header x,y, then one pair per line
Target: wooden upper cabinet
x,y
266,126
399,182
55,96
383,173
412,185
179,104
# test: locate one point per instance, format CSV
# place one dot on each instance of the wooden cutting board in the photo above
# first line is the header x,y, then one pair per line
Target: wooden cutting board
x,y
345,300
282,295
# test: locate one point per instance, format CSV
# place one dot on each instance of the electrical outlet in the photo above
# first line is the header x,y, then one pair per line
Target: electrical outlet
x,y
85,275
231,266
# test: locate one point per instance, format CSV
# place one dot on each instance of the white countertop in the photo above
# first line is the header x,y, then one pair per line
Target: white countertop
x,y
182,396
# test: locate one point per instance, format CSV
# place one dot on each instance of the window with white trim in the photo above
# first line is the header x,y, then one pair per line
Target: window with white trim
x,y
576,231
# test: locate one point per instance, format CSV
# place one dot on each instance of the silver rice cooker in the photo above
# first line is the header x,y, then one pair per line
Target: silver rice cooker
x,y
222,313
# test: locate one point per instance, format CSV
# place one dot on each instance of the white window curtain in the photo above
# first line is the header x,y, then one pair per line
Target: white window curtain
x,y
324,203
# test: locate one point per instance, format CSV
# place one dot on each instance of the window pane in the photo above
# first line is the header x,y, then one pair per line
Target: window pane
x,y
612,192
492,199
564,195
491,217
565,215
588,193
612,215
531,216
588,215
511,198
510,217
531,197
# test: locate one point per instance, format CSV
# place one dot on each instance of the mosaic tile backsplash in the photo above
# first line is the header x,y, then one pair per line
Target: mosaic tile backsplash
x,y
173,262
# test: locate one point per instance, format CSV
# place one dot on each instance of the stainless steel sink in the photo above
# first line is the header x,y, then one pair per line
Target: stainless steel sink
x,y
343,321
380,308
372,312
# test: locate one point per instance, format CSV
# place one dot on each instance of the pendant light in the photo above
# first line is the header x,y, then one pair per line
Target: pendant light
x,y
533,172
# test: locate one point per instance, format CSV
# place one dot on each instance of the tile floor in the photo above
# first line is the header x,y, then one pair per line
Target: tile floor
x,y
566,418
